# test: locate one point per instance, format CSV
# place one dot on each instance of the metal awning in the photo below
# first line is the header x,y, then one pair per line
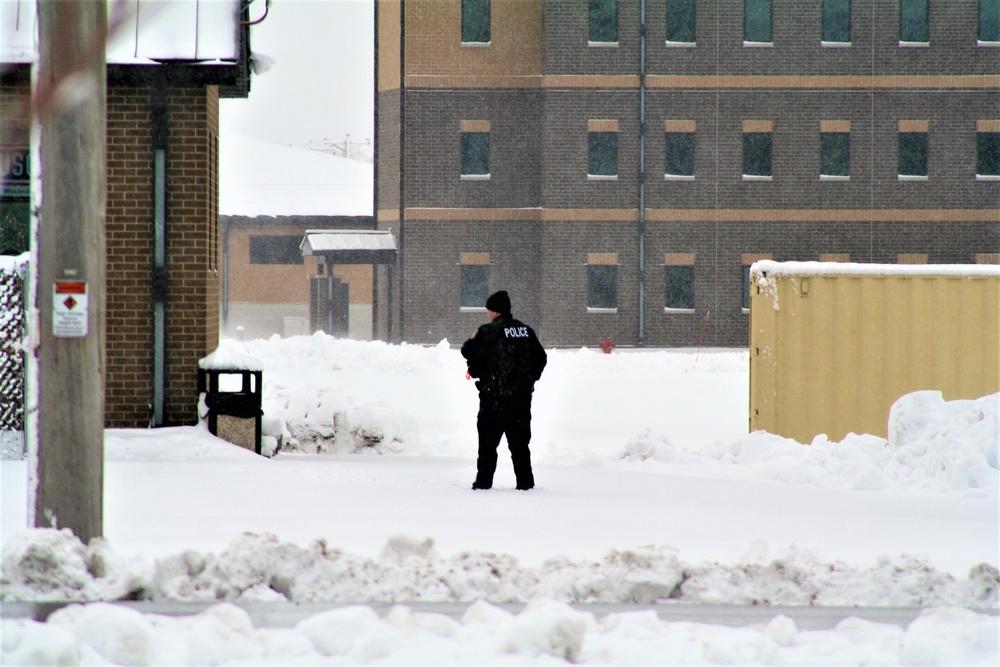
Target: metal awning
x,y
350,246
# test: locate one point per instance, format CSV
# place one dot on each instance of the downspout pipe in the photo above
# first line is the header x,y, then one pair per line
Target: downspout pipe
x,y
642,173
402,171
160,121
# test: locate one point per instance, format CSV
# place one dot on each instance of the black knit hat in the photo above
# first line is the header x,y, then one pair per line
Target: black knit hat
x,y
499,302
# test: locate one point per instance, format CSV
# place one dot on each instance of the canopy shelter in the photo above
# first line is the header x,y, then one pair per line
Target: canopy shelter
x,y
350,246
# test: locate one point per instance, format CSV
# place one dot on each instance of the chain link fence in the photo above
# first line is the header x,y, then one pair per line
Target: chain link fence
x,y
12,364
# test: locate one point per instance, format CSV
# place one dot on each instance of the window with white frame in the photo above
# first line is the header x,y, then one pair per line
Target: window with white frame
x,y
836,22
474,276
678,149
680,22
914,29
476,22
912,147
757,23
835,150
474,138
602,149
757,149
602,281
602,22
988,150
678,282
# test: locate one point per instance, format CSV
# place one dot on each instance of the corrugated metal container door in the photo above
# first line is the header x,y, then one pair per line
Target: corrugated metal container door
x,y
831,349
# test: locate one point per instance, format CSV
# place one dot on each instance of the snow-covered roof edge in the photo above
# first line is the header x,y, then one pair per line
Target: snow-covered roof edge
x,y
206,31
775,269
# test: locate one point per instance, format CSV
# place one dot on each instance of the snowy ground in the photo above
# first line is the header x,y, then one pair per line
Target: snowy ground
x,y
649,489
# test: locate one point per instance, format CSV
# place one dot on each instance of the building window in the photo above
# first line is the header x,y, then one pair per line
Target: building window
x,y
836,22
276,249
474,270
757,149
679,149
748,260
475,149
913,22
602,149
680,21
835,150
603,22
602,281
913,149
678,272
989,21
757,22
988,150
475,21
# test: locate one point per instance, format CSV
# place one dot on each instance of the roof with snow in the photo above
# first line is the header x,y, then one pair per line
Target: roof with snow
x,y
351,246
259,177
205,31
792,269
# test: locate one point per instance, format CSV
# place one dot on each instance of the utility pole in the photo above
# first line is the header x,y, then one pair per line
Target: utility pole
x,y
69,106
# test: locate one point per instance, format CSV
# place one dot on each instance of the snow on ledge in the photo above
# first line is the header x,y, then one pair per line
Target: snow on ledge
x,y
797,269
228,359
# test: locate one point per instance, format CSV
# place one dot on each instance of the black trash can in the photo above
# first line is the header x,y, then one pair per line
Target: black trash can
x,y
234,416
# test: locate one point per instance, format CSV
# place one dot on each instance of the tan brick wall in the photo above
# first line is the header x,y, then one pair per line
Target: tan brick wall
x,y
434,39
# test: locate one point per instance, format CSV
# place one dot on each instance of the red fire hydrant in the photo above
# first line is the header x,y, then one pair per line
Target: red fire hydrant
x,y
607,345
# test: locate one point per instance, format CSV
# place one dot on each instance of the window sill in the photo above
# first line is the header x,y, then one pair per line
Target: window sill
x,y
679,45
745,311
683,311
474,177
914,45
477,45
835,45
678,177
833,178
603,45
912,178
988,45
591,309
752,177
988,177
472,309
758,45
602,177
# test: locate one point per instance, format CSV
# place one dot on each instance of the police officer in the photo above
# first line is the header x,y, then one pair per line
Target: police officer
x,y
507,359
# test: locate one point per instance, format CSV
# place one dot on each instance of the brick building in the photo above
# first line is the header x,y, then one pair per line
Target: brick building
x,y
162,221
617,165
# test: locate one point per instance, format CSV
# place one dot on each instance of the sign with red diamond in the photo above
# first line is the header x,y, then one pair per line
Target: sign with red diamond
x,y
69,304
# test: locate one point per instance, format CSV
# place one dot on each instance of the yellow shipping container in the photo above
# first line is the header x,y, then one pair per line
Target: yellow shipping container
x,y
832,346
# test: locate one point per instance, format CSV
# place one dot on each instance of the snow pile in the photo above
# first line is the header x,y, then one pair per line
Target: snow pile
x,y
319,397
934,446
49,565
545,632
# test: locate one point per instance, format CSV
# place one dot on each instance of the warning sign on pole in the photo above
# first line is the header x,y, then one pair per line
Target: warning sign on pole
x,y
69,306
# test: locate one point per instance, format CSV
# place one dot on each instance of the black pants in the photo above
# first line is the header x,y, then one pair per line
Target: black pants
x,y
510,416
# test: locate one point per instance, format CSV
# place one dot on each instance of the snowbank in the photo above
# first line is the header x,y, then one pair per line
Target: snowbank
x,y
546,632
51,565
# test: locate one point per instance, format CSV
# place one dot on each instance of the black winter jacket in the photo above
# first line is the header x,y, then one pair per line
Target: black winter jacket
x,y
505,356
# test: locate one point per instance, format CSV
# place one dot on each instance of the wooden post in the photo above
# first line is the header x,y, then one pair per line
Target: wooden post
x,y
70,98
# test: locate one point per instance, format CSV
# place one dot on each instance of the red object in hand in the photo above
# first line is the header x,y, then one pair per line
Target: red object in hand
x,y
468,376
607,345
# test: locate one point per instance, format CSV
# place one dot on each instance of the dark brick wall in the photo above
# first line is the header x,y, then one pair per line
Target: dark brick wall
x,y
433,156
433,282
539,159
